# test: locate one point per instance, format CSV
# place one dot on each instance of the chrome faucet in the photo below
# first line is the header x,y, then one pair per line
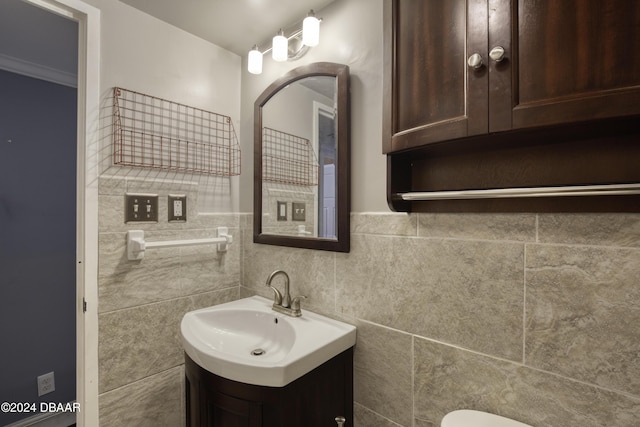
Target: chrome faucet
x,y
280,299
282,303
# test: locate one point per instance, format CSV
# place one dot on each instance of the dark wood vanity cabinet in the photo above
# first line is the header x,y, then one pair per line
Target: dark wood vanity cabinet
x,y
510,95
315,399
565,61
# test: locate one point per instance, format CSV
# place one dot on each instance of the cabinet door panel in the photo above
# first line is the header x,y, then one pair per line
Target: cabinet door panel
x,y
431,68
577,60
228,411
501,90
425,61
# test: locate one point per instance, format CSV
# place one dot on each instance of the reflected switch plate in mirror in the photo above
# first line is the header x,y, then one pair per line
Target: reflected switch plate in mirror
x,y
298,211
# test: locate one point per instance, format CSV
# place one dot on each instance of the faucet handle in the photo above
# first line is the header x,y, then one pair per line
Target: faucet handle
x,y
295,303
277,296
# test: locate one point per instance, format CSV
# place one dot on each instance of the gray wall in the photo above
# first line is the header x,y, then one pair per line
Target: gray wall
x,y
37,204
37,239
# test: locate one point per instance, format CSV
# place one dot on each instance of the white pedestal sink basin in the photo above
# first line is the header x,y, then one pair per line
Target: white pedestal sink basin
x,y
246,341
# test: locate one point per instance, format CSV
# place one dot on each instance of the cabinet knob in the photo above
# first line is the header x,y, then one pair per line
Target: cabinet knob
x,y
497,53
340,421
475,61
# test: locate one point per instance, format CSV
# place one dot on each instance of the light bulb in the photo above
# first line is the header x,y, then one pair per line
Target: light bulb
x,y
311,30
280,47
254,65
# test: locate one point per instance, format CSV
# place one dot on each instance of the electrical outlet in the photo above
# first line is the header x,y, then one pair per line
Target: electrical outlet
x,y
46,383
177,207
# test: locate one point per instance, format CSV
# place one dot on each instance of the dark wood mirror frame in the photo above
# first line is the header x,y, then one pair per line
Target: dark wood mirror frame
x,y
342,243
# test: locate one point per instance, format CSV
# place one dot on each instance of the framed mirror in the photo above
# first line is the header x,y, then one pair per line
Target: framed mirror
x,y
302,159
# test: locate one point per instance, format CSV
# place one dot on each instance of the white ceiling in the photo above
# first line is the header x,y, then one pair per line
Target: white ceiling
x,y
235,25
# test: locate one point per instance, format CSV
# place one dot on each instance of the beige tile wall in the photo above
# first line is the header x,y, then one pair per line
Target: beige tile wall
x,y
534,317
530,316
141,303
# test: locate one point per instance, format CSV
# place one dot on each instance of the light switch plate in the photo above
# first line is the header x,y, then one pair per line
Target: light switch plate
x,y
298,211
177,208
141,208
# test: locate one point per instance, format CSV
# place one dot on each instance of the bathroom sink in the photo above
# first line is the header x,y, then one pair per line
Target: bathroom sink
x,y
246,341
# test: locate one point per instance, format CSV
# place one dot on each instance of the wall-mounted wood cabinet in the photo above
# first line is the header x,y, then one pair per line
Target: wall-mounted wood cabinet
x,y
465,70
564,61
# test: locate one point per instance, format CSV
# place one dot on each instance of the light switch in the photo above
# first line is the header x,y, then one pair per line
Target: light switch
x,y
141,208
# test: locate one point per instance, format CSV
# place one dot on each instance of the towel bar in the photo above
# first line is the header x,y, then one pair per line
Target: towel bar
x,y
136,244
499,193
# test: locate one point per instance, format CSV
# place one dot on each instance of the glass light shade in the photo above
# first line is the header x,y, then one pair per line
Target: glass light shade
x,y
254,65
280,47
311,30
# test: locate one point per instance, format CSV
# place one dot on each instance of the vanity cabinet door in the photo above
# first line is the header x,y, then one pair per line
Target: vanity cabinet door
x,y
430,93
317,398
313,400
227,411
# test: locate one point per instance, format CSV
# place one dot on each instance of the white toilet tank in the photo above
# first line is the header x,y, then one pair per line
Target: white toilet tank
x,y
470,418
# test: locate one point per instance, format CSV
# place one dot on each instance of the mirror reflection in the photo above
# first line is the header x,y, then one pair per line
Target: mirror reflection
x,y
299,160
301,181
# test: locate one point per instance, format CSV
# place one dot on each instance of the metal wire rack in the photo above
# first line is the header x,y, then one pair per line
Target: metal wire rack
x,y
156,133
288,159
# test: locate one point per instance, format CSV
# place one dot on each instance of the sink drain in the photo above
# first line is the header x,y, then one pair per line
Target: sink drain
x,y
258,352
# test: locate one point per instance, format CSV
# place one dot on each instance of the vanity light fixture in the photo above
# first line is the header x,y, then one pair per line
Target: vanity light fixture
x,y
280,47
281,50
255,61
311,30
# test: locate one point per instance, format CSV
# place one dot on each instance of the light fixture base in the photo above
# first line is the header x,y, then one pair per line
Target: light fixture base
x,y
297,49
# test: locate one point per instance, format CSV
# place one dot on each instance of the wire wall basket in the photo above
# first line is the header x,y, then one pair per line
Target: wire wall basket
x,y
288,159
155,133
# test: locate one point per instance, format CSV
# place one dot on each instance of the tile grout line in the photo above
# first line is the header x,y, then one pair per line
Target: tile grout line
x,y
524,292
335,283
413,380
524,305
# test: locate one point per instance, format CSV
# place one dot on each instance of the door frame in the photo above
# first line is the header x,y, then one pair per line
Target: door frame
x,y
320,109
88,92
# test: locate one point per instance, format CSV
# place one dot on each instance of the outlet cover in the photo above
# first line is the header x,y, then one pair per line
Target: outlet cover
x,y
282,211
46,383
177,208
